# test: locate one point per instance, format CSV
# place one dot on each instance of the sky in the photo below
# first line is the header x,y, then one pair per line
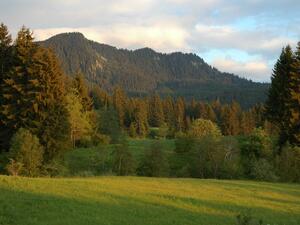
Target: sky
x,y
244,37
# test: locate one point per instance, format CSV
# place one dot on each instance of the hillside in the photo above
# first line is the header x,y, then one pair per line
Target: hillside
x,y
144,71
135,201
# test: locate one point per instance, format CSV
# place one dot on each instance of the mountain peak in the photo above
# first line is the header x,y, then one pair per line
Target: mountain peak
x,y
76,35
144,71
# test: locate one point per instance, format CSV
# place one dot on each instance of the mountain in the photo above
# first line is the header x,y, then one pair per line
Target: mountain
x,y
145,71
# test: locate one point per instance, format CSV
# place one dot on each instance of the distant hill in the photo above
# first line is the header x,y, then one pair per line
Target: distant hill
x,y
145,71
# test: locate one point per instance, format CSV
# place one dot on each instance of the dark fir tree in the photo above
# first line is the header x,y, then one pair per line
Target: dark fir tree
x,y
278,96
34,94
5,63
294,102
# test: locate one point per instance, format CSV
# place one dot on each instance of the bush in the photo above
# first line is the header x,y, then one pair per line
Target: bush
x,y
247,219
201,128
14,168
122,160
288,164
256,146
263,171
25,150
154,163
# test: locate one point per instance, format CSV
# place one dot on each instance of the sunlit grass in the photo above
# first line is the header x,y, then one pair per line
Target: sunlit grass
x,y
133,200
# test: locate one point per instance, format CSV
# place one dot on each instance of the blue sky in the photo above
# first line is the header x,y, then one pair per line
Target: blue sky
x,y
243,37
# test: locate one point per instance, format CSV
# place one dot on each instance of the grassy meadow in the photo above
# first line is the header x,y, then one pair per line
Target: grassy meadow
x,y
138,200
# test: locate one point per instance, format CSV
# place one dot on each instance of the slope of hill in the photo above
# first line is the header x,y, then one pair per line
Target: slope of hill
x,y
133,200
143,71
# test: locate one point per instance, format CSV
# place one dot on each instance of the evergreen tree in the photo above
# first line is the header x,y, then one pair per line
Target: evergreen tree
x,y
293,105
179,114
34,94
119,102
169,112
156,113
141,119
278,96
230,117
80,86
100,98
5,63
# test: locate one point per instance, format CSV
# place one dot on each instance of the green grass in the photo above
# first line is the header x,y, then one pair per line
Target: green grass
x,y
143,201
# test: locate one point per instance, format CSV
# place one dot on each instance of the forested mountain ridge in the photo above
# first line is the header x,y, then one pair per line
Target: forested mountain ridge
x,y
142,71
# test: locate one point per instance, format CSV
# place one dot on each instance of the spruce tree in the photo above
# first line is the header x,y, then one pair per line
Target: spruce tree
x,y
294,103
141,119
278,96
119,102
34,95
20,88
180,114
5,63
156,113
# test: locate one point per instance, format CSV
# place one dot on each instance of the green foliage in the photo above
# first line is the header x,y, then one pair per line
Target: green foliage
x,y
32,94
108,124
123,163
156,113
80,88
201,128
288,164
283,104
155,162
254,147
78,118
263,170
26,153
14,168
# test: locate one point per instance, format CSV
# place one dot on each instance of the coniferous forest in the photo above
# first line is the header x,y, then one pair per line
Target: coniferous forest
x,y
46,114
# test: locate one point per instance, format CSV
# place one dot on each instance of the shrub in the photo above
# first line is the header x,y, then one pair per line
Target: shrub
x,y
14,168
154,163
247,219
122,160
288,164
258,145
263,171
201,128
25,149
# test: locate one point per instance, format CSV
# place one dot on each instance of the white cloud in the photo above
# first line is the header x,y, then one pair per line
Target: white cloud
x,y
255,70
252,41
169,25
161,37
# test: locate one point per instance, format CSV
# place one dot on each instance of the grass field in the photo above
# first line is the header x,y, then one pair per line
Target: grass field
x,y
143,201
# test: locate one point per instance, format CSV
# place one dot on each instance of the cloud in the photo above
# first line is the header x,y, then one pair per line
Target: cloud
x,y
255,27
254,70
161,37
252,41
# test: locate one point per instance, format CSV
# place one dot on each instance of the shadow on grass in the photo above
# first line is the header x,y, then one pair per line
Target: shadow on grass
x,y
23,208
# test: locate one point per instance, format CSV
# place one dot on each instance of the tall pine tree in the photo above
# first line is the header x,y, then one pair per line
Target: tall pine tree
x,y
278,97
294,102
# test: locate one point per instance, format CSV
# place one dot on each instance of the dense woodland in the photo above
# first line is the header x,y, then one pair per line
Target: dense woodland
x,y
44,113
145,71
